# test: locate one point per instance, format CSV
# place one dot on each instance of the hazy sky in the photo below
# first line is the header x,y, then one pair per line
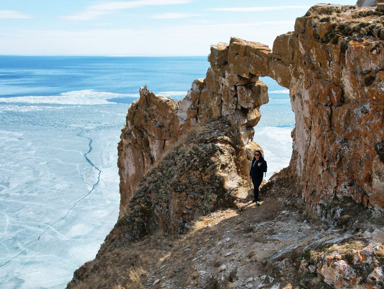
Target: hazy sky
x,y
141,27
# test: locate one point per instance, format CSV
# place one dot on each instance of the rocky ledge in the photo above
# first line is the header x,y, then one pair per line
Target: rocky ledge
x,y
276,245
181,161
199,175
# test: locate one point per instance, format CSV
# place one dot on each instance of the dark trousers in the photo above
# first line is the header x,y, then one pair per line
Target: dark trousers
x,y
256,184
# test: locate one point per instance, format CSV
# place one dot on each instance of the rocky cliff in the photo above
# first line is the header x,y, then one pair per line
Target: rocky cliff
x,y
199,175
154,123
182,160
333,66
335,58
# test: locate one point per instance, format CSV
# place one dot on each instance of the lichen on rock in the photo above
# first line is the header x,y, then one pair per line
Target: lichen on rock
x,y
351,265
200,174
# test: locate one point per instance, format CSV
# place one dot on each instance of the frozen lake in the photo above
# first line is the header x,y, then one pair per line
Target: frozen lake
x,y
60,122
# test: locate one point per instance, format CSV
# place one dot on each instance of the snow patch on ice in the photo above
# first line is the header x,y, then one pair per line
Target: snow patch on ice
x,y
277,145
79,97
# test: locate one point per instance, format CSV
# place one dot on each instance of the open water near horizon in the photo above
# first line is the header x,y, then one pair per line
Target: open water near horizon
x,y
60,122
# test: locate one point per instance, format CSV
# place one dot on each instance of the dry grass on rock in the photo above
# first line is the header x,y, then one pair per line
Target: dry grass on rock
x,y
247,247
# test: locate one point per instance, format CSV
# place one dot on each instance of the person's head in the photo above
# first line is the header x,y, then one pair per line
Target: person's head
x,y
258,155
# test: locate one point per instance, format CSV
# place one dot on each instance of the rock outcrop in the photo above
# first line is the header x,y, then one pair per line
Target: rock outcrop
x,y
366,3
154,123
200,175
274,245
348,265
151,128
335,60
333,65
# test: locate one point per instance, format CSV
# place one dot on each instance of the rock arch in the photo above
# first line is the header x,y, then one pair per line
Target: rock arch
x,y
154,124
333,67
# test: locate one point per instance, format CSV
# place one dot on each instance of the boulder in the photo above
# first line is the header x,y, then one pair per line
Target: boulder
x,y
366,3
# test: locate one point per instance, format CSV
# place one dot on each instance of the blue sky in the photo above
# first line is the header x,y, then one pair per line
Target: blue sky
x,y
141,27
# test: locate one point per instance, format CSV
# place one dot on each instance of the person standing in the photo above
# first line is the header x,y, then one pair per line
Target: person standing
x,y
258,167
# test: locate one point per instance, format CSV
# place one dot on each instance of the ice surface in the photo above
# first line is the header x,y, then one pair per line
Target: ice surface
x,y
177,95
281,91
59,179
84,97
277,145
58,189
60,122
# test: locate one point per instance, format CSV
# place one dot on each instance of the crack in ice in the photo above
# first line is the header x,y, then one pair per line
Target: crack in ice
x,y
94,185
50,226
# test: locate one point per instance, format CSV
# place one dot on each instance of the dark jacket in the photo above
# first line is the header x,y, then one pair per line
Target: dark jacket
x,y
256,171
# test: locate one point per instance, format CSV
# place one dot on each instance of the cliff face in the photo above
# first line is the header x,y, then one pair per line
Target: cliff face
x,y
182,160
333,66
154,123
201,174
335,63
151,127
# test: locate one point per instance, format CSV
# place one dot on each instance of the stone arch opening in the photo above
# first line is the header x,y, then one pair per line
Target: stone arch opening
x,y
274,129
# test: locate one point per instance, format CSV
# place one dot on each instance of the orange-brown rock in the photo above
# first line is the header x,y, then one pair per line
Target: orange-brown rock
x,y
231,90
336,95
201,174
151,127
351,265
333,65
